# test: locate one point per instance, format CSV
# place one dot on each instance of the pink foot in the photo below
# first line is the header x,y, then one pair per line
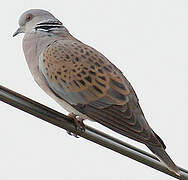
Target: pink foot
x,y
78,121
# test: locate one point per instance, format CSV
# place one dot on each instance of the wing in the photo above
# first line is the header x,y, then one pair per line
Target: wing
x,y
84,78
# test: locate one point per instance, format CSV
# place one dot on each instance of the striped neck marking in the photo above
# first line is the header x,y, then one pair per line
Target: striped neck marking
x,y
48,26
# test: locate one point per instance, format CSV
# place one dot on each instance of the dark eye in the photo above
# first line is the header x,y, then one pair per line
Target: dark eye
x,y
29,17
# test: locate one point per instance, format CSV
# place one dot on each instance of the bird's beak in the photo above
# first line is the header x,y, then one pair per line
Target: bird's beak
x,y
19,30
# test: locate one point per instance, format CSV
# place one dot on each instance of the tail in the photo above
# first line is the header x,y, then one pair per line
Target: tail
x,y
164,157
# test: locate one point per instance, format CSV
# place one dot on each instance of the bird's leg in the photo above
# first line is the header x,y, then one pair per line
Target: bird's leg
x,y
72,115
78,121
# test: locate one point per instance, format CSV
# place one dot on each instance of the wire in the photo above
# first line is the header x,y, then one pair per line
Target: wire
x,y
51,116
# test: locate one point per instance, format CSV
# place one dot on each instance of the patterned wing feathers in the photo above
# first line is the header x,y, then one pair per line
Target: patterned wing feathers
x,y
82,70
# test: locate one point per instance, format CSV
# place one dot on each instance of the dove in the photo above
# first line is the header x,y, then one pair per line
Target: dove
x,y
84,82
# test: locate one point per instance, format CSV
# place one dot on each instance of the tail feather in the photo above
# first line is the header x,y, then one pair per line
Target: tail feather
x,y
164,157
160,140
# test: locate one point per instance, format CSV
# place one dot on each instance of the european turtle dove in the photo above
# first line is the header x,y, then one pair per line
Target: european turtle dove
x,y
83,81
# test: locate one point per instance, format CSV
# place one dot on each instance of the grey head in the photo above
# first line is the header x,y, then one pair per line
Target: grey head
x,y
36,18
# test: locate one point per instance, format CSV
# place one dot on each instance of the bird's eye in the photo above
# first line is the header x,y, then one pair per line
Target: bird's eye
x,y
29,17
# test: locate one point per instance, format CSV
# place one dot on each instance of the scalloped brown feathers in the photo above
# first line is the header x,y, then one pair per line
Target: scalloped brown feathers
x,y
84,72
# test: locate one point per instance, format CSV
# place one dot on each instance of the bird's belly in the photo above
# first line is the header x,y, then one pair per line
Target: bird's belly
x,y
64,104
39,78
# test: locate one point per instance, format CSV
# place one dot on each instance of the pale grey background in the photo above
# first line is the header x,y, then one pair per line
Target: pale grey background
x,y
147,40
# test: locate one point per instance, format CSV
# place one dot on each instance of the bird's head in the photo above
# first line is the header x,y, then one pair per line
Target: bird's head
x,y
33,18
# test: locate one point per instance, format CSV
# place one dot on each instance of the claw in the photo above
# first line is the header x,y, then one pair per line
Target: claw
x,y
79,125
72,134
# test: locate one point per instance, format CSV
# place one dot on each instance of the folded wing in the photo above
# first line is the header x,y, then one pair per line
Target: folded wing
x,y
84,78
